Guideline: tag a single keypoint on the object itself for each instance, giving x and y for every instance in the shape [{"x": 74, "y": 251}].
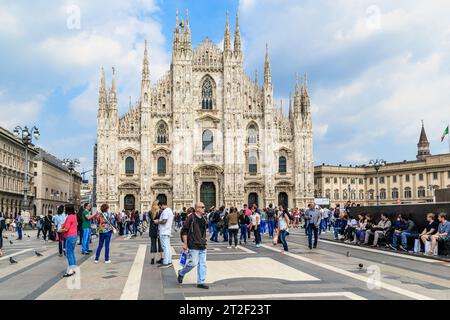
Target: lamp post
[
  {"x": 377, "y": 164},
  {"x": 71, "y": 165},
  {"x": 26, "y": 135}
]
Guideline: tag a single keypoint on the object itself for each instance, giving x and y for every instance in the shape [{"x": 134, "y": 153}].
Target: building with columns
[
  {"x": 12, "y": 173},
  {"x": 54, "y": 184},
  {"x": 204, "y": 132},
  {"x": 401, "y": 182}
]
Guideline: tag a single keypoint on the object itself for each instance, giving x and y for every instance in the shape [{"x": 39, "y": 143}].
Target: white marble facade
[{"x": 205, "y": 131}]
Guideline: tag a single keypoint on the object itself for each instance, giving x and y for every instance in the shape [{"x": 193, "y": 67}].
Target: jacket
[
  {"x": 196, "y": 237},
  {"x": 233, "y": 218}
]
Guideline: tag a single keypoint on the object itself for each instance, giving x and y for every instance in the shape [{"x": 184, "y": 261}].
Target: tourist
[
  {"x": 263, "y": 220},
  {"x": 87, "y": 217},
  {"x": 215, "y": 219},
  {"x": 312, "y": 216},
  {"x": 360, "y": 230},
  {"x": 19, "y": 225},
  {"x": 350, "y": 228},
  {"x": 283, "y": 227},
  {"x": 165, "y": 223},
  {"x": 194, "y": 239},
  {"x": 443, "y": 233},
  {"x": 255, "y": 221},
  {"x": 233, "y": 227},
  {"x": 244, "y": 221},
  {"x": 378, "y": 231},
  {"x": 80, "y": 225},
  {"x": 430, "y": 228},
  {"x": 2, "y": 227},
  {"x": 339, "y": 225},
  {"x": 271, "y": 217},
  {"x": 407, "y": 229},
  {"x": 58, "y": 221},
  {"x": 69, "y": 232},
  {"x": 155, "y": 242},
  {"x": 39, "y": 225},
  {"x": 105, "y": 230}
]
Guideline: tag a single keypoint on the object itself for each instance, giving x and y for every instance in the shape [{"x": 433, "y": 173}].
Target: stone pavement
[{"x": 330, "y": 272}]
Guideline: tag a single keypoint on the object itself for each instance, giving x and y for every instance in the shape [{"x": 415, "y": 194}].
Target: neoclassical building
[
  {"x": 205, "y": 131},
  {"x": 405, "y": 182}
]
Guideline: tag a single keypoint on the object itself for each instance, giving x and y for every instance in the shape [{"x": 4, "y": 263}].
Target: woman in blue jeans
[
  {"x": 283, "y": 227},
  {"x": 69, "y": 229},
  {"x": 243, "y": 221},
  {"x": 105, "y": 230}
]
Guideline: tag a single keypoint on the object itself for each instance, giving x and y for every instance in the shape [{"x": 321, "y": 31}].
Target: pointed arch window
[
  {"x": 162, "y": 166},
  {"x": 207, "y": 95},
  {"x": 252, "y": 134},
  {"x": 162, "y": 135},
  {"x": 282, "y": 165},
  {"x": 207, "y": 141},
  {"x": 252, "y": 165},
  {"x": 129, "y": 166}
]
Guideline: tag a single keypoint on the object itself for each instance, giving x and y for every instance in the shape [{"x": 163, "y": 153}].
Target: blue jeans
[
  {"x": 86, "y": 238},
  {"x": 405, "y": 235},
  {"x": 395, "y": 237},
  {"x": 225, "y": 234},
  {"x": 197, "y": 258},
  {"x": 71, "y": 242},
  {"x": 215, "y": 232},
  {"x": 283, "y": 234},
  {"x": 271, "y": 226},
  {"x": 263, "y": 226},
  {"x": 165, "y": 245},
  {"x": 243, "y": 233},
  {"x": 312, "y": 229},
  {"x": 336, "y": 232},
  {"x": 105, "y": 238},
  {"x": 19, "y": 233}
]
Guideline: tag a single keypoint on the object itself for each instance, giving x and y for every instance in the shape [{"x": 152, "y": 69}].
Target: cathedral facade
[{"x": 204, "y": 132}]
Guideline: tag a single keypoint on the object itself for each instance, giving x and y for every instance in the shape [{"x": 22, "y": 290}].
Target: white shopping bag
[
  {"x": 416, "y": 246},
  {"x": 428, "y": 247}
]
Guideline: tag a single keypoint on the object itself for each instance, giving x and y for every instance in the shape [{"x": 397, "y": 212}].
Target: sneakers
[
  {"x": 258, "y": 245},
  {"x": 180, "y": 278},
  {"x": 160, "y": 261},
  {"x": 96, "y": 261},
  {"x": 235, "y": 247},
  {"x": 403, "y": 248},
  {"x": 108, "y": 261},
  {"x": 392, "y": 247},
  {"x": 202, "y": 286},
  {"x": 153, "y": 261},
  {"x": 229, "y": 247},
  {"x": 165, "y": 266}
]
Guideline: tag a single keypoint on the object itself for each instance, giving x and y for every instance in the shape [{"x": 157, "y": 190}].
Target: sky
[{"x": 376, "y": 68}]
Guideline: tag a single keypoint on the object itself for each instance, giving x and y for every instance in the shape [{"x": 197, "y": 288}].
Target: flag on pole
[{"x": 444, "y": 134}]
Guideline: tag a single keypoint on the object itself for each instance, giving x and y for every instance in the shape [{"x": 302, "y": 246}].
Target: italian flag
[{"x": 444, "y": 134}]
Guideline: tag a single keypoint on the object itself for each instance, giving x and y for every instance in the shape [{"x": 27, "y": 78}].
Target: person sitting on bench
[
  {"x": 378, "y": 230},
  {"x": 442, "y": 234}
]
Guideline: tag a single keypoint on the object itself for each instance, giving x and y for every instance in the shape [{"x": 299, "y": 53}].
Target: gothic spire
[
  {"x": 305, "y": 97},
  {"x": 237, "y": 37},
  {"x": 297, "y": 98},
  {"x": 267, "y": 73},
  {"x": 226, "y": 38},
  {"x": 102, "y": 100},
  {"x": 176, "y": 34},
  {"x": 112, "y": 92},
  {"x": 188, "y": 31},
  {"x": 145, "y": 68},
  {"x": 290, "y": 106}
]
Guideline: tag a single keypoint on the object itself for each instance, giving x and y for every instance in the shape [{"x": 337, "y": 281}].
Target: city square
[{"x": 174, "y": 151}]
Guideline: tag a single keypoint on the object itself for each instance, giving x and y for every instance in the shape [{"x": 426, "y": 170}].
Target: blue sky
[{"x": 376, "y": 68}]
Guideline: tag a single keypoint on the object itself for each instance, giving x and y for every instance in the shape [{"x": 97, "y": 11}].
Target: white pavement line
[
  {"x": 15, "y": 254},
  {"x": 346, "y": 294},
  {"x": 399, "y": 255},
  {"x": 245, "y": 249},
  {"x": 383, "y": 285},
  {"x": 133, "y": 284}
]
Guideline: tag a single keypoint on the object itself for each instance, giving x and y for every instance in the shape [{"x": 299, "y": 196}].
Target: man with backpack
[
  {"x": 193, "y": 235},
  {"x": 271, "y": 220},
  {"x": 215, "y": 219}
]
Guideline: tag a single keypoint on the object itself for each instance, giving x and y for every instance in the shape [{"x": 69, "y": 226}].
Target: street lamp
[
  {"x": 26, "y": 135},
  {"x": 71, "y": 165},
  {"x": 377, "y": 164}
]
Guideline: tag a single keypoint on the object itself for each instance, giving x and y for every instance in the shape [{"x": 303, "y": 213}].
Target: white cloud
[{"x": 15, "y": 112}]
